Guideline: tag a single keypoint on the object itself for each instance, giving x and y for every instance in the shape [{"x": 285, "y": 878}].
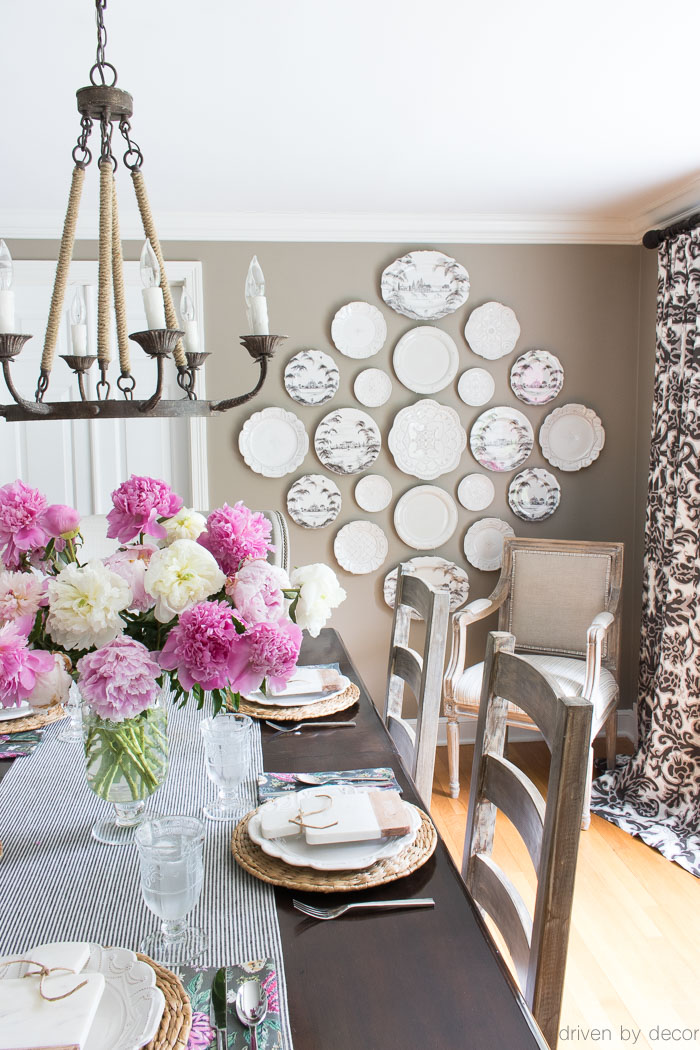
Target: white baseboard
[{"x": 626, "y": 726}]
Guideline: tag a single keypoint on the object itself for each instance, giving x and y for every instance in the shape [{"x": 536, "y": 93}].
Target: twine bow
[
  {"x": 42, "y": 972},
  {"x": 300, "y": 819}
]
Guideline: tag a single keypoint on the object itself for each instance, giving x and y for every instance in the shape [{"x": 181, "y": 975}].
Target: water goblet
[
  {"x": 227, "y": 742},
  {"x": 172, "y": 869},
  {"x": 73, "y": 732}
]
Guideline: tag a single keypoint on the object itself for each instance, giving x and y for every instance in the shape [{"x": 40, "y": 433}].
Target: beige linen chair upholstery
[
  {"x": 423, "y": 674},
  {"x": 537, "y": 943},
  {"x": 560, "y": 598}
]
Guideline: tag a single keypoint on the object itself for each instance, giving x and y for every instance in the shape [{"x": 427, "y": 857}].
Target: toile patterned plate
[
  {"x": 439, "y": 572},
  {"x": 537, "y": 377},
  {"x": 425, "y": 285},
  {"x": 347, "y": 441},
  {"x": 311, "y": 377},
  {"x": 534, "y": 494},
  {"x": 501, "y": 439},
  {"x": 314, "y": 501}
]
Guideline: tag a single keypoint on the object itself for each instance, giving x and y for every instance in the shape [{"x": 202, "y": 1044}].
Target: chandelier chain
[
  {"x": 133, "y": 158},
  {"x": 81, "y": 153},
  {"x": 98, "y": 70},
  {"x": 106, "y": 142}
]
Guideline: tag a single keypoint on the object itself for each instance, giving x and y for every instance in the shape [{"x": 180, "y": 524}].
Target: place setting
[{"x": 312, "y": 692}]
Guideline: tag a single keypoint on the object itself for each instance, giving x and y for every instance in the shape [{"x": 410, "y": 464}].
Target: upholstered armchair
[{"x": 561, "y": 600}]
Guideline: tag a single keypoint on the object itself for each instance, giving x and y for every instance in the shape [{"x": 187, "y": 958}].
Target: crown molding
[{"x": 671, "y": 207}]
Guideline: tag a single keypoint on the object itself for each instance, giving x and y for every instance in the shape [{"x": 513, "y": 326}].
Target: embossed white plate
[
  {"x": 372, "y": 387},
  {"x": 537, "y": 377},
  {"x": 425, "y": 517},
  {"x": 7, "y": 714},
  {"x": 476, "y": 387},
  {"x": 273, "y": 442},
  {"x": 314, "y": 501},
  {"x": 476, "y": 492},
  {"x": 373, "y": 493},
  {"x": 427, "y": 439},
  {"x": 442, "y": 574},
  {"x": 131, "y": 1006},
  {"x": 483, "y": 543},
  {"x": 347, "y": 441},
  {"x": 426, "y": 359},
  {"x": 534, "y": 494},
  {"x": 492, "y": 330},
  {"x": 360, "y": 547},
  {"x": 425, "y": 285},
  {"x": 311, "y": 377},
  {"x": 298, "y": 700},
  {"x": 501, "y": 439},
  {"x": 571, "y": 437},
  {"x": 358, "y": 330}
]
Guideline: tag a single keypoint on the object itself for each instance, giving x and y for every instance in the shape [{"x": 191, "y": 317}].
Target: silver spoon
[
  {"x": 251, "y": 1007},
  {"x": 309, "y": 778}
]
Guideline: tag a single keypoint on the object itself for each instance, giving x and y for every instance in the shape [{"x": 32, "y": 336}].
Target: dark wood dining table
[{"x": 423, "y": 979}]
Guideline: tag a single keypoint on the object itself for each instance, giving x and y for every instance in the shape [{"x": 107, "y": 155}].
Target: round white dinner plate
[
  {"x": 537, "y": 377},
  {"x": 425, "y": 285},
  {"x": 501, "y": 439},
  {"x": 427, "y": 439},
  {"x": 311, "y": 377},
  {"x": 492, "y": 330},
  {"x": 571, "y": 437},
  {"x": 347, "y": 441},
  {"x": 476, "y": 387},
  {"x": 131, "y": 1006},
  {"x": 360, "y": 547},
  {"x": 425, "y": 517},
  {"x": 476, "y": 492},
  {"x": 372, "y": 387},
  {"x": 426, "y": 359},
  {"x": 534, "y": 494},
  {"x": 277, "y": 700},
  {"x": 358, "y": 330},
  {"x": 483, "y": 543},
  {"x": 442, "y": 574},
  {"x": 273, "y": 442},
  {"x": 338, "y": 856},
  {"x": 373, "y": 493},
  {"x": 7, "y": 714},
  {"x": 314, "y": 501}
]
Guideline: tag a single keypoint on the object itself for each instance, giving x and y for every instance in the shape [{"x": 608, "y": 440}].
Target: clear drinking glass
[
  {"x": 172, "y": 869},
  {"x": 227, "y": 742},
  {"x": 73, "y": 732}
]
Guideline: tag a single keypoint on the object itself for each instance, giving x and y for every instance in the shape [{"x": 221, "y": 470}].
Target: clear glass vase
[{"x": 125, "y": 762}]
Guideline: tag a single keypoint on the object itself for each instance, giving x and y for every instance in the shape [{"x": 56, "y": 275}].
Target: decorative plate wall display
[
  {"x": 425, "y": 285},
  {"x": 425, "y": 517},
  {"x": 483, "y": 543},
  {"x": 372, "y": 387},
  {"x": 273, "y": 442},
  {"x": 427, "y": 439},
  {"x": 347, "y": 441},
  {"x": 314, "y": 501},
  {"x": 492, "y": 330},
  {"x": 501, "y": 439},
  {"x": 571, "y": 437},
  {"x": 440, "y": 573},
  {"x": 360, "y": 547},
  {"x": 358, "y": 330},
  {"x": 426, "y": 359},
  {"x": 537, "y": 377},
  {"x": 476, "y": 492},
  {"x": 373, "y": 493},
  {"x": 476, "y": 387},
  {"x": 311, "y": 377},
  {"x": 534, "y": 494}
]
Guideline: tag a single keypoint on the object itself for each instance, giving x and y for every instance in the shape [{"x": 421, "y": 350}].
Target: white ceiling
[{"x": 499, "y": 120}]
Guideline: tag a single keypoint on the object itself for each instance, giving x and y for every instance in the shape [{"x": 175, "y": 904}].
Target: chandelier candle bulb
[
  {"x": 256, "y": 303},
  {"x": 189, "y": 323},
  {"x": 78, "y": 328},
  {"x": 152, "y": 292},
  {"x": 7, "y": 296}
]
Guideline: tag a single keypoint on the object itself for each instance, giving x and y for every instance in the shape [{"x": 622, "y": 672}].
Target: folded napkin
[
  {"x": 309, "y": 683},
  {"x": 19, "y": 745},
  {"x": 272, "y": 785},
  {"x": 197, "y": 982}
]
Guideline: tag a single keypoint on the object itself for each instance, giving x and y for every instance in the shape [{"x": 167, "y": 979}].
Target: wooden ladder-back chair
[
  {"x": 561, "y": 600},
  {"x": 423, "y": 674},
  {"x": 537, "y": 944}
]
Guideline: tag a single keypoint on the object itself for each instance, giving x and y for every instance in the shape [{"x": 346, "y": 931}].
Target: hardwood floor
[{"x": 633, "y": 972}]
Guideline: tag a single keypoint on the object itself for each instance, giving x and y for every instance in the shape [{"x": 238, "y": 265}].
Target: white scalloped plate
[
  {"x": 273, "y": 442},
  {"x": 425, "y": 517},
  {"x": 476, "y": 387},
  {"x": 426, "y": 359},
  {"x": 360, "y": 547},
  {"x": 571, "y": 437},
  {"x": 358, "y": 330},
  {"x": 311, "y": 377},
  {"x": 476, "y": 492},
  {"x": 314, "y": 501},
  {"x": 492, "y": 330},
  {"x": 373, "y": 493},
  {"x": 483, "y": 543},
  {"x": 427, "y": 439},
  {"x": 425, "y": 285},
  {"x": 372, "y": 387}
]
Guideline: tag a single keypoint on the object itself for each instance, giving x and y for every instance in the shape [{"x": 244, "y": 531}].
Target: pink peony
[
  {"x": 138, "y": 503},
  {"x": 118, "y": 680},
  {"x": 200, "y": 647},
  {"x": 21, "y": 595},
  {"x": 21, "y": 509},
  {"x": 61, "y": 521},
  {"x": 235, "y": 534},
  {"x": 256, "y": 591},
  {"x": 266, "y": 650},
  {"x": 19, "y": 665},
  {"x": 131, "y": 564}
]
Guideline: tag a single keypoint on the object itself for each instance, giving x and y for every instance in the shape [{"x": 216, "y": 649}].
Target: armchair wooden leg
[
  {"x": 586, "y": 815},
  {"x": 453, "y": 754},
  {"x": 611, "y": 740}
]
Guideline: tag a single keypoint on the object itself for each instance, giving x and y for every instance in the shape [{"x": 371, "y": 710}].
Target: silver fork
[
  {"x": 334, "y": 913},
  {"x": 307, "y": 725}
]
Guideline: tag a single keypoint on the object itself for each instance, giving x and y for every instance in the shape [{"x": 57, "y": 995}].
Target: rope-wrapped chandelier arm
[
  {"x": 104, "y": 266},
  {"x": 118, "y": 286},
  {"x": 150, "y": 231},
  {"x": 61, "y": 280}
]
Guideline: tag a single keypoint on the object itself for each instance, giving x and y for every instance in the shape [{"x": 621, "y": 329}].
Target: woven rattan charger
[
  {"x": 274, "y": 870},
  {"x": 176, "y": 1022},
  {"x": 36, "y": 720},
  {"x": 321, "y": 708}
]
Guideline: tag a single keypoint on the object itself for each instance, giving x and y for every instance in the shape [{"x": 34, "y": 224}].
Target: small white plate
[
  {"x": 299, "y": 699},
  {"x": 273, "y": 442},
  {"x": 360, "y": 547},
  {"x": 373, "y": 493},
  {"x": 476, "y": 387},
  {"x": 339, "y": 856},
  {"x": 492, "y": 330},
  {"x": 358, "y": 330},
  {"x": 483, "y": 543},
  {"x": 476, "y": 492},
  {"x": 372, "y": 387},
  {"x": 314, "y": 501},
  {"x": 425, "y": 517},
  {"x": 8, "y": 714},
  {"x": 426, "y": 359}
]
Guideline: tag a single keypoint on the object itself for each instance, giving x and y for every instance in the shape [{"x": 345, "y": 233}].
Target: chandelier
[{"x": 104, "y": 103}]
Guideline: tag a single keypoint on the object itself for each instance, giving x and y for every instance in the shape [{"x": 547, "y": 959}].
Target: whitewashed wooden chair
[
  {"x": 423, "y": 674},
  {"x": 561, "y": 600},
  {"x": 537, "y": 943}
]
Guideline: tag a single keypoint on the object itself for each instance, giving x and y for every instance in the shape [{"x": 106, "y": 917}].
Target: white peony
[
  {"x": 84, "y": 606},
  {"x": 180, "y": 576},
  {"x": 187, "y": 524},
  {"x": 52, "y": 687},
  {"x": 320, "y": 592}
]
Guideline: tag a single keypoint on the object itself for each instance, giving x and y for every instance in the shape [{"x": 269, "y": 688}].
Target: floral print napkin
[
  {"x": 273, "y": 785},
  {"x": 19, "y": 745},
  {"x": 197, "y": 982}
]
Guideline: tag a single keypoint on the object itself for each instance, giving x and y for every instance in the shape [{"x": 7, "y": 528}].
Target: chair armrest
[
  {"x": 477, "y": 610},
  {"x": 594, "y": 650}
]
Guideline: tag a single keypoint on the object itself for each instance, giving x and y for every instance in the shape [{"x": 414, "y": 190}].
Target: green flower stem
[{"x": 134, "y": 751}]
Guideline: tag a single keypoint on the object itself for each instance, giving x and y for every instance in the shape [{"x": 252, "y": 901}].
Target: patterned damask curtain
[{"x": 656, "y": 795}]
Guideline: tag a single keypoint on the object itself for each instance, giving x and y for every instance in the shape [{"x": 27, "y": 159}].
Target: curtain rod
[{"x": 653, "y": 238}]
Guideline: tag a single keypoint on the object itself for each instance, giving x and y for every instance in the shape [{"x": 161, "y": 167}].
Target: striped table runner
[{"x": 58, "y": 883}]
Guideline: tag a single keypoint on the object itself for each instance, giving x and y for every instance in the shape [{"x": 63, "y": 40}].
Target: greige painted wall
[{"x": 580, "y": 302}]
